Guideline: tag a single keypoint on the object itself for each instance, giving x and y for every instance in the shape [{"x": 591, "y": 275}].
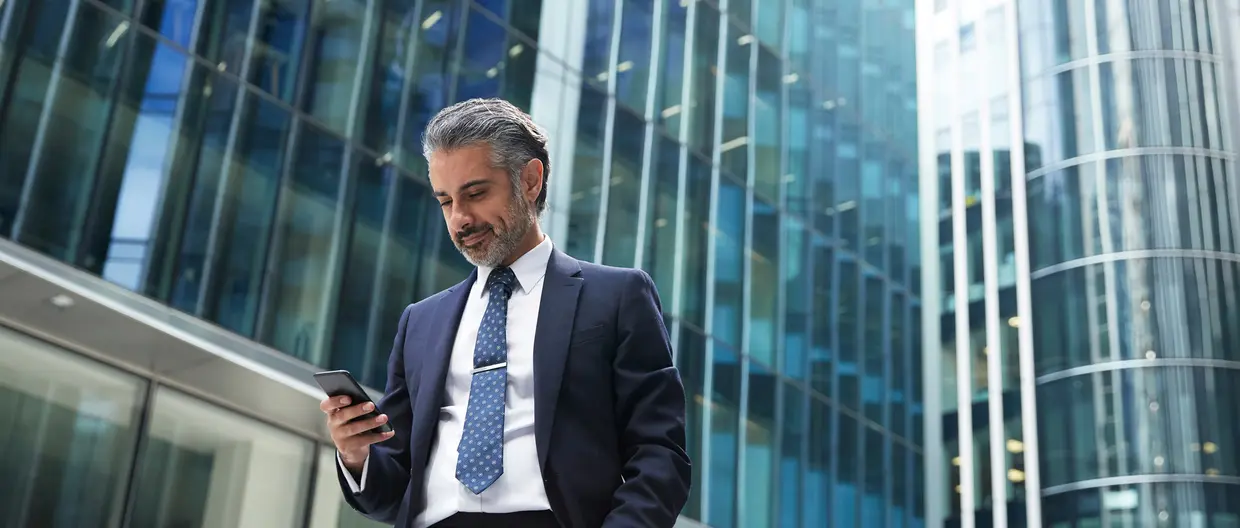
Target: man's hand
[{"x": 352, "y": 439}]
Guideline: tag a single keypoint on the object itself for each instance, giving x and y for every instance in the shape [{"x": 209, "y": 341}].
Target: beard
[{"x": 505, "y": 238}]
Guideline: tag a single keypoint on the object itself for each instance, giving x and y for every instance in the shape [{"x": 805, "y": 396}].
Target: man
[{"x": 538, "y": 392}]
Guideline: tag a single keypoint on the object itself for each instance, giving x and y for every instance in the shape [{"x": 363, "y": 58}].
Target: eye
[
  {"x": 445, "y": 203},
  {"x": 477, "y": 194}
]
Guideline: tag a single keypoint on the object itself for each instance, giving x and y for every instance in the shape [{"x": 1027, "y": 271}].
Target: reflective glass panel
[
  {"x": 721, "y": 469},
  {"x": 337, "y": 32},
  {"x": 729, "y": 231},
  {"x": 584, "y": 208},
  {"x": 633, "y": 65},
  {"x": 204, "y": 466},
  {"x": 70, "y": 430},
  {"x": 624, "y": 189}
]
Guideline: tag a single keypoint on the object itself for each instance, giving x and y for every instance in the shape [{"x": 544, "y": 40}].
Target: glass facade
[
  {"x": 89, "y": 445},
  {"x": 1083, "y": 173},
  {"x": 257, "y": 163}
]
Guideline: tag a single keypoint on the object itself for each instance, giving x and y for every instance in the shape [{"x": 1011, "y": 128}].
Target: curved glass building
[
  {"x": 1079, "y": 184},
  {"x": 203, "y": 202}
]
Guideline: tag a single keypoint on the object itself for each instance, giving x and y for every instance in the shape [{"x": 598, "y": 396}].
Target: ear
[{"x": 532, "y": 180}]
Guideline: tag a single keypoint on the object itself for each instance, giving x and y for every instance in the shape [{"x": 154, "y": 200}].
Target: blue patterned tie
[{"x": 480, "y": 455}]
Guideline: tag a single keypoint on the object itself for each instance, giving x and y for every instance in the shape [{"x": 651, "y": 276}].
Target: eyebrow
[{"x": 467, "y": 185}]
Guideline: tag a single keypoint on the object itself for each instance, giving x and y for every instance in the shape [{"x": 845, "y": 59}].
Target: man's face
[{"x": 486, "y": 217}]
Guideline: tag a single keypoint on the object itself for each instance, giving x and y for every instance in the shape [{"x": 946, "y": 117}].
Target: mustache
[{"x": 471, "y": 231}]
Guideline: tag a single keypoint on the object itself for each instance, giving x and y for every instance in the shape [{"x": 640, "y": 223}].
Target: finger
[
  {"x": 343, "y": 415},
  {"x": 361, "y": 426},
  {"x": 363, "y": 440},
  {"x": 330, "y": 405}
]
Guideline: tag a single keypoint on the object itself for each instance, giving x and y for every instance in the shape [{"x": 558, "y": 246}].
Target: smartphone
[{"x": 341, "y": 383}]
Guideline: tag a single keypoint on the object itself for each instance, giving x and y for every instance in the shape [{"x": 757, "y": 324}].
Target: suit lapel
[
  {"x": 440, "y": 337},
  {"x": 555, "y": 327}
]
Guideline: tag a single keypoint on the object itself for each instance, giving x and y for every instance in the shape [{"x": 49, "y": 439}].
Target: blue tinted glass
[
  {"x": 849, "y": 328},
  {"x": 818, "y": 471},
  {"x": 281, "y": 34},
  {"x": 874, "y": 507},
  {"x": 304, "y": 242},
  {"x": 69, "y": 136},
  {"x": 791, "y": 461},
  {"x": 600, "y": 21},
  {"x": 764, "y": 282},
  {"x": 353, "y": 345},
  {"x": 671, "y": 67},
  {"x": 729, "y": 230},
  {"x": 584, "y": 209},
  {"x": 633, "y": 66},
  {"x": 701, "y": 103},
  {"x": 797, "y": 272},
  {"x": 250, "y": 205},
  {"x": 382, "y": 106},
  {"x": 697, "y": 232},
  {"x": 735, "y": 142},
  {"x": 337, "y": 38},
  {"x": 768, "y": 126},
  {"x": 691, "y": 363},
  {"x": 760, "y": 448},
  {"x": 432, "y": 67},
  {"x": 482, "y": 58},
  {"x": 823, "y": 316},
  {"x": 724, "y": 417},
  {"x": 173, "y": 18},
  {"x": 844, "y": 496},
  {"x": 223, "y": 32},
  {"x": 874, "y": 386},
  {"x": 624, "y": 192},
  {"x": 123, "y": 222},
  {"x": 660, "y": 243},
  {"x": 207, "y": 122}
]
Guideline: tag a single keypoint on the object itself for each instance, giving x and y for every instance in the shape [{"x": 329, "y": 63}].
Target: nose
[{"x": 461, "y": 217}]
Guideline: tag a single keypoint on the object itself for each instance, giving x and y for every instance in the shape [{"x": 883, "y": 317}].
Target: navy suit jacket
[{"x": 609, "y": 405}]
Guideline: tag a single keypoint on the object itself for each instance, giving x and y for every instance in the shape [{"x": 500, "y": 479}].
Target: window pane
[
  {"x": 844, "y": 499},
  {"x": 482, "y": 58},
  {"x": 825, "y": 295},
  {"x": 70, "y": 133},
  {"x": 303, "y": 265},
  {"x": 519, "y": 70},
  {"x": 672, "y": 67},
  {"x": 697, "y": 230},
  {"x": 116, "y": 240},
  {"x": 69, "y": 435},
  {"x": 729, "y": 231},
  {"x": 27, "y": 71},
  {"x": 874, "y": 389},
  {"x": 849, "y": 329},
  {"x": 330, "y": 510},
  {"x": 724, "y": 415},
  {"x": 432, "y": 69},
  {"x": 357, "y": 305},
  {"x": 791, "y": 459},
  {"x": 633, "y": 68},
  {"x": 390, "y": 74},
  {"x": 759, "y": 486},
  {"x": 691, "y": 362},
  {"x": 277, "y": 49},
  {"x": 190, "y": 205},
  {"x": 624, "y": 194},
  {"x": 817, "y": 503},
  {"x": 701, "y": 104},
  {"x": 768, "y": 124},
  {"x": 735, "y": 141},
  {"x": 794, "y": 258},
  {"x": 600, "y": 19},
  {"x": 661, "y": 251},
  {"x": 337, "y": 34},
  {"x": 223, "y": 32},
  {"x": 587, "y": 176},
  {"x": 205, "y": 466},
  {"x": 249, "y": 208},
  {"x": 764, "y": 282}
]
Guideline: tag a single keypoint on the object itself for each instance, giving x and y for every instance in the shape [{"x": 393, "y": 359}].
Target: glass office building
[
  {"x": 202, "y": 202},
  {"x": 1079, "y": 187}
]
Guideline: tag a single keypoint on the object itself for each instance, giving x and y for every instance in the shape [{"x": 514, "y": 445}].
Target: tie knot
[{"x": 501, "y": 279}]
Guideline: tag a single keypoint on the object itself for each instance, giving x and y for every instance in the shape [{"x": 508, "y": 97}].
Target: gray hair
[{"x": 513, "y": 136}]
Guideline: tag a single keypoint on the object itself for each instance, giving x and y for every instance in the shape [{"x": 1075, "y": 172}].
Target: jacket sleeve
[
  {"x": 387, "y": 471},
  {"x": 650, "y": 413}
]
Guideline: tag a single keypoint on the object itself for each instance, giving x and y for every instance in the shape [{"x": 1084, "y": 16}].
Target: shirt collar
[{"x": 529, "y": 268}]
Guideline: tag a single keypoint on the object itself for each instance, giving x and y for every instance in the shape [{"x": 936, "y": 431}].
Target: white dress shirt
[{"x": 520, "y": 487}]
